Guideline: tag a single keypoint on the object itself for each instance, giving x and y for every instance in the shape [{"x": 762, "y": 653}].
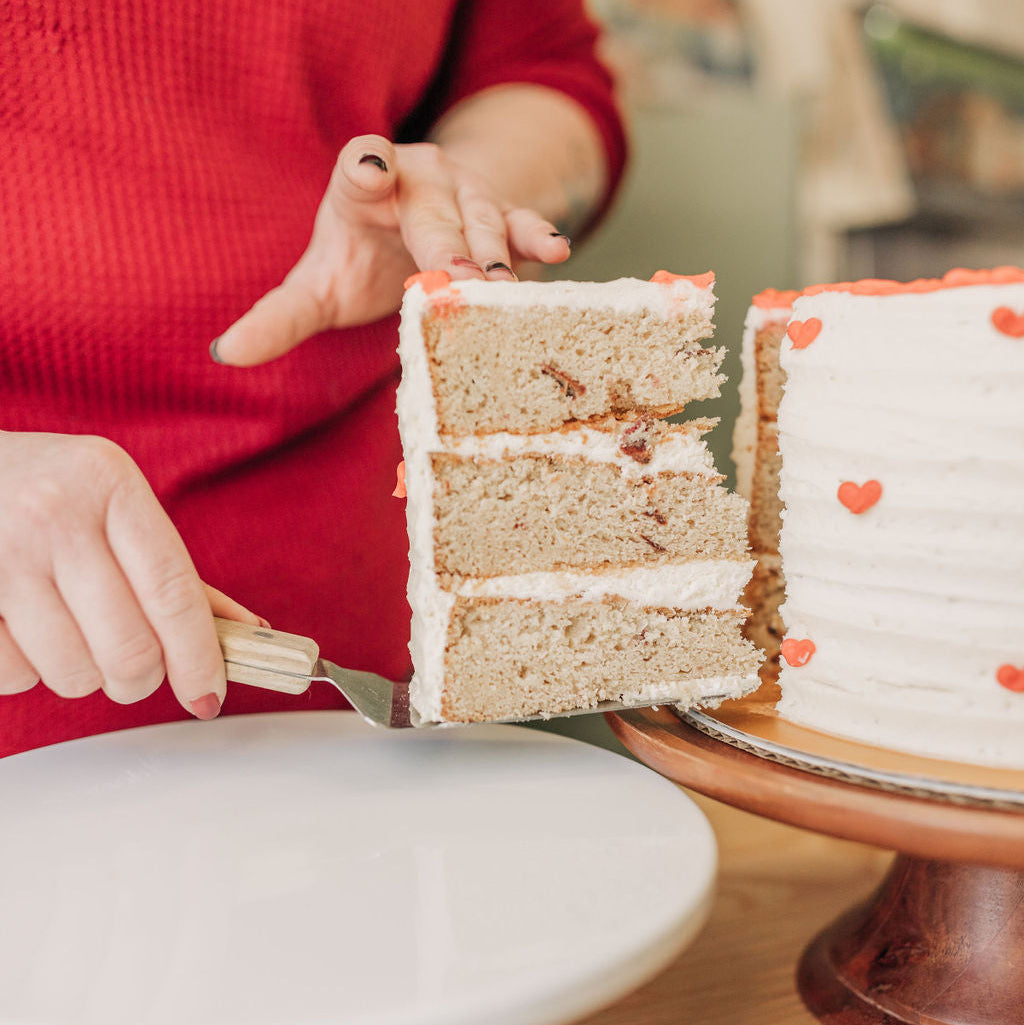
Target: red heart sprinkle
[
  {"x": 803, "y": 332},
  {"x": 797, "y": 653},
  {"x": 1008, "y": 322},
  {"x": 1011, "y": 677},
  {"x": 858, "y": 498}
]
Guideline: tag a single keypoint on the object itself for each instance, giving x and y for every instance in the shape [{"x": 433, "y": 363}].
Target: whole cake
[
  {"x": 567, "y": 545},
  {"x": 901, "y": 437}
]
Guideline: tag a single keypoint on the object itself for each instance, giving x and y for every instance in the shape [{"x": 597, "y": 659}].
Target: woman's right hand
[{"x": 97, "y": 590}]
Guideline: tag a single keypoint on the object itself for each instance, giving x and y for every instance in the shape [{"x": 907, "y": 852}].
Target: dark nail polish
[
  {"x": 558, "y": 234},
  {"x": 498, "y": 265},
  {"x": 205, "y": 707},
  {"x": 372, "y": 158},
  {"x": 465, "y": 261},
  {"x": 213, "y": 352}
]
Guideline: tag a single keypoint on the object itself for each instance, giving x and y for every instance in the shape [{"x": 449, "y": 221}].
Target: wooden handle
[{"x": 270, "y": 659}]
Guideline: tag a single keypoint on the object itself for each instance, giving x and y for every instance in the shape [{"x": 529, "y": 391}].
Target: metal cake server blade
[{"x": 289, "y": 663}]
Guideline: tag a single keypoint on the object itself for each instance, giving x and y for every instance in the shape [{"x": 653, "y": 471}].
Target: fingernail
[
  {"x": 465, "y": 261},
  {"x": 213, "y": 352},
  {"x": 498, "y": 265},
  {"x": 263, "y": 623},
  {"x": 558, "y": 234},
  {"x": 205, "y": 707},
  {"x": 372, "y": 158}
]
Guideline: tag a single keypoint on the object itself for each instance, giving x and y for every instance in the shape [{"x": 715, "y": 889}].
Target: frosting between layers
[
  {"x": 693, "y": 586},
  {"x": 680, "y": 452},
  {"x": 915, "y": 604}
]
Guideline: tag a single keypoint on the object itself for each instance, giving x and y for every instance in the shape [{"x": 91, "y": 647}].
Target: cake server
[{"x": 289, "y": 663}]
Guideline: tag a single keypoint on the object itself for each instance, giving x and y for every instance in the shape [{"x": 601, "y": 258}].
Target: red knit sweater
[{"x": 162, "y": 166}]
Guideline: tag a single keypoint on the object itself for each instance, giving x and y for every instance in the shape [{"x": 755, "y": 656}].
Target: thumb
[
  {"x": 284, "y": 317},
  {"x": 305, "y": 303}
]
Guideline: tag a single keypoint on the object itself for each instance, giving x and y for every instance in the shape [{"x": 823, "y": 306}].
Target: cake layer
[
  {"x": 518, "y": 659},
  {"x": 761, "y": 383},
  {"x": 901, "y": 433},
  {"x": 541, "y": 513},
  {"x": 763, "y": 596},
  {"x": 756, "y": 453},
  {"x": 687, "y": 587},
  {"x": 770, "y": 378},
  {"x": 765, "y": 517},
  {"x": 530, "y": 357}
]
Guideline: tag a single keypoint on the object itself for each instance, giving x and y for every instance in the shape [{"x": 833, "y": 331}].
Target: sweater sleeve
[{"x": 542, "y": 42}]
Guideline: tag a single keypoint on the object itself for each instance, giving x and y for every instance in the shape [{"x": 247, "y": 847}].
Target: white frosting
[
  {"x": 701, "y": 584},
  {"x": 680, "y": 452},
  {"x": 915, "y": 604},
  {"x": 744, "y": 438},
  {"x": 697, "y": 585},
  {"x": 624, "y": 296},
  {"x": 705, "y": 691}
]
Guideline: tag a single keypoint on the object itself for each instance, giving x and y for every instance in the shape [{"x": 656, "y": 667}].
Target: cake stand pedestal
[{"x": 942, "y": 940}]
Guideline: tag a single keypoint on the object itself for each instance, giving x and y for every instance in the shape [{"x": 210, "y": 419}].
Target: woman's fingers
[
  {"x": 485, "y": 233},
  {"x": 17, "y": 674},
  {"x": 429, "y": 216},
  {"x": 358, "y": 197},
  {"x": 123, "y": 645},
  {"x": 534, "y": 238},
  {"x": 51, "y": 641},
  {"x": 171, "y": 596},
  {"x": 97, "y": 589},
  {"x": 387, "y": 211},
  {"x": 227, "y": 608}
]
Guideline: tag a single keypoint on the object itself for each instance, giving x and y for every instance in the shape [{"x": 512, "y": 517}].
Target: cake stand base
[
  {"x": 942, "y": 940},
  {"x": 940, "y": 943}
]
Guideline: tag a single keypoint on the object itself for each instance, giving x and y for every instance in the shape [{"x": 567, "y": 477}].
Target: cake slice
[
  {"x": 756, "y": 455},
  {"x": 567, "y": 545}
]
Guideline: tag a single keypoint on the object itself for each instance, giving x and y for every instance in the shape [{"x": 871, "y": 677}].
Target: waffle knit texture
[{"x": 163, "y": 164}]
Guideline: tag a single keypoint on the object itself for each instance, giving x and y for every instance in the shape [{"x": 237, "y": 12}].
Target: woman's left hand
[{"x": 389, "y": 211}]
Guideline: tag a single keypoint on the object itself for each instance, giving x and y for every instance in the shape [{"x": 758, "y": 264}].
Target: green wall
[{"x": 707, "y": 189}]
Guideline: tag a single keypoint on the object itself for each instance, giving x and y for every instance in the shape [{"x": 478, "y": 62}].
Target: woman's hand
[
  {"x": 388, "y": 211},
  {"x": 97, "y": 590}
]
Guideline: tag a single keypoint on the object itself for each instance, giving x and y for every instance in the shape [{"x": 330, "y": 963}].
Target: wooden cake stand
[{"x": 942, "y": 940}]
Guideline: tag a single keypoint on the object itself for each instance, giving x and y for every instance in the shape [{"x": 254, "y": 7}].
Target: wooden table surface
[{"x": 777, "y": 887}]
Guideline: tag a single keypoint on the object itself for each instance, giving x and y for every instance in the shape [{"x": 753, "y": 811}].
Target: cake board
[
  {"x": 306, "y": 868},
  {"x": 941, "y": 942}
]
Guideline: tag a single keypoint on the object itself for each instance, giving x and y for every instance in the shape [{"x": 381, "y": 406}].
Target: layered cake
[
  {"x": 756, "y": 455},
  {"x": 901, "y": 436},
  {"x": 568, "y": 546}
]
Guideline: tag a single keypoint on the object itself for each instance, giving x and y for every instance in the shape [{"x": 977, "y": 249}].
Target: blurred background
[{"x": 786, "y": 142}]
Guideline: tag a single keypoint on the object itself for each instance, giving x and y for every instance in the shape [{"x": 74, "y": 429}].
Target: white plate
[{"x": 306, "y": 868}]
